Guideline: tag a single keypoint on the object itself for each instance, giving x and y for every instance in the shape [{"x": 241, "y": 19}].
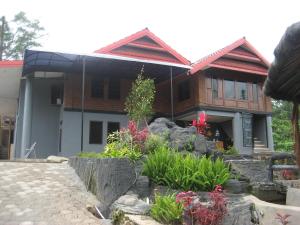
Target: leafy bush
[
  {"x": 166, "y": 210},
  {"x": 167, "y": 167},
  {"x": 197, "y": 213},
  {"x": 154, "y": 142},
  {"x": 111, "y": 151},
  {"x": 231, "y": 151}
]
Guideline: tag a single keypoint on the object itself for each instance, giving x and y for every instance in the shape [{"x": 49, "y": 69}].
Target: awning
[{"x": 102, "y": 64}]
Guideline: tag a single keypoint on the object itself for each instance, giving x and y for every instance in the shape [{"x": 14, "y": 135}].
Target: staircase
[{"x": 260, "y": 150}]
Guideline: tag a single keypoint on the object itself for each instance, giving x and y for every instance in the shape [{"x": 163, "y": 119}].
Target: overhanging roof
[
  {"x": 102, "y": 64},
  {"x": 283, "y": 80}
]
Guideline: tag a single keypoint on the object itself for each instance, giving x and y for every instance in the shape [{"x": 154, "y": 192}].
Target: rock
[
  {"x": 233, "y": 186},
  {"x": 141, "y": 187},
  {"x": 179, "y": 137},
  {"x": 142, "y": 220},
  {"x": 56, "y": 159},
  {"x": 269, "y": 192},
  {"x": 113, "y": 177},
  {"x": 131, "y": 204},
  {"x": 105, "y": 222},
  {"x": 293, "y": 197}
]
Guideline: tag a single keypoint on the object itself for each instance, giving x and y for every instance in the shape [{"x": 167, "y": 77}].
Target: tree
[
  {"x": 17, "y": 35},
  {"x": 139, "y": 103},
  {"x": 282, "y": 128}
]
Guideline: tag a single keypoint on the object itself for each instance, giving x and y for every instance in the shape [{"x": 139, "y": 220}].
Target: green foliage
[
  {"x": 154, "y": 142},
  {"x": 231, "y": 151},
  {"x": 189, "y": 144},
  {"x": 167, "y": 167},
  {"x": 19, "y": 34},
  {"x": 112, "y": 151},
  {"x": 117, "y": 217},
  {"x": 139, "y": 103},
  {"x": 166, "y": 210},
  {"x": 282, "y": 126}
]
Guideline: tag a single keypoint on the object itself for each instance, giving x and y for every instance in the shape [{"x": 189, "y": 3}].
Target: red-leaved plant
[
  {"x": 134, "y": 136},
  {"x": 198, "y": 213},
  {"x": 288, "y": 174}
]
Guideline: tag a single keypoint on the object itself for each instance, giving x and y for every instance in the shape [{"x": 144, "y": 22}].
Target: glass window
[
  {"x": 96, "y": 132},
  {"x": 57, "y": 94},
  {"x": 229, "y": 89},
  {"x": 184, "y": 90},
  {"x": 242, "y": 90},
  {"x": 214, "y": 88},
  {"x": 97, "y": 88},
  {"x": 114, "y": 89},
  {"x": 112, "y": 127},
  {"x": 255, "y": 93},
  {"x": 247, "y": 131}
]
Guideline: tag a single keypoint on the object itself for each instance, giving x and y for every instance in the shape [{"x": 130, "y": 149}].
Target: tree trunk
[{"x": 295, "y": 123}]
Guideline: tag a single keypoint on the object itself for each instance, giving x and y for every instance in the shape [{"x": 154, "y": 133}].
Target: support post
[
  {"x": 172, "y": 99},
  {"x": 82, "y": 100},
  {"x": 295, "y": 123},
  {"x": 26, "y": 128},
  {"x": 9, "y": 138}
]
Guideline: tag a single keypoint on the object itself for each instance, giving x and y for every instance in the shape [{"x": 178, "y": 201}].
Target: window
[
  {"x": 112, "y": 127},
  {"x": 242, "y": 90},
  {"x": 114, "y": 89},
  {"x": 97, "y": 88},
  {"x": 57, "y": 93},
  {"x": 229, "y": 89},
  {"x": 184, "y": 90},
  {"x": 96, "y": 132},
  {"x": 255, "y": 93},
  {"x": 214, "y": 88}
]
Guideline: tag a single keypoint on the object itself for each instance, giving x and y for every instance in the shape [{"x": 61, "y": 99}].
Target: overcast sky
[{"x": 193, "y": 28}]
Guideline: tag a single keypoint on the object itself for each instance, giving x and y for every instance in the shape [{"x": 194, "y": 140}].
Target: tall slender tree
[{"x": 17, "y": 35}]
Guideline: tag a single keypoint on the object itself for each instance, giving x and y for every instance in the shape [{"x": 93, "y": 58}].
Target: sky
[{"x": 193, "y": 28}]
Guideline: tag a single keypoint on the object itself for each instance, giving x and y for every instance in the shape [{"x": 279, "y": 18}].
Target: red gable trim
[
  {"x": 11, "y": 63},
  {"x": 142, "y": 33},
  {"x": 206, "y": 61}
]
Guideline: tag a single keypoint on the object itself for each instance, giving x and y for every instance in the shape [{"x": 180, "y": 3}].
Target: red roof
[
  {"x": 11, "y": 63},
  {"x": 144, "y": 44},
  {"x": 240, "y": 56}
]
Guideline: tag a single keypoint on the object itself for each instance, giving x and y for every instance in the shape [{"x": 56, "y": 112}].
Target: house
[
  {"x": 10, "y": 74},
  {"x": 71, "y": 102}
]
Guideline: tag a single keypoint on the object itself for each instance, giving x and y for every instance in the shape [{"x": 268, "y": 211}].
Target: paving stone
[{"x": 43, "y": 194}]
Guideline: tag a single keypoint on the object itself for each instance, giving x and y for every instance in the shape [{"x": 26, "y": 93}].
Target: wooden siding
[{"x": 206, "y": 96}]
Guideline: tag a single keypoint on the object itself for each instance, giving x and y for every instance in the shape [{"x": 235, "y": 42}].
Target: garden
[{"x": 135, "y": 158}]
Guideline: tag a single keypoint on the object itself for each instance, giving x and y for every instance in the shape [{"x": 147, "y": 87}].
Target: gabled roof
[
  {"x": 11, "y": 63},
  {"x": 144, "y": 45},
  {"x": 239, "y": 56}
]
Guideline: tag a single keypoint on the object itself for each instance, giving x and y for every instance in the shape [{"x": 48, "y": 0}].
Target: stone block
[{"x": 293, "y": 197}]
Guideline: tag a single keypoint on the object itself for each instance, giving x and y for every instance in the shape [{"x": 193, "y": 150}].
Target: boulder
[
  {"x": 293, "y": 197},
  {"x": 179, "y": 137},
  {"x": 131, "y": 204},
  {"x": 56, "y": 159},
  {"x": 114, "y": 177},
  {"x": 141, "y": 187}
]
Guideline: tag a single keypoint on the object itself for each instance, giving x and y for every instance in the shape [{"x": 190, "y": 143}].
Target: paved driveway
[{"x": 43, "y": 194}]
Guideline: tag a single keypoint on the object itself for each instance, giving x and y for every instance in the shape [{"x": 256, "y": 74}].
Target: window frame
[
  {"x": 215, "y": 92},
  {"x": 101, "y": 86},
  {"x": 110, "y": 95},
  {"x": 233, "y": 89},
  {"x": 181, "y": 89},
  {"x": 112, "y": 122},
  {"x": 92, "y": 142},
  {"x": 239, "y": 93}
]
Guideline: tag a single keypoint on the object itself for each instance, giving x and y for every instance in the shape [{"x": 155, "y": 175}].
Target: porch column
[
  {"x": 237, "y": 132},
  {"x": 270, "y": 133},
  {"x": 82, "y": 101},
  {"x": 26, "y": 128}
]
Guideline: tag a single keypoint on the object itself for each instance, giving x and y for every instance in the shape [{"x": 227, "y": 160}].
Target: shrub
[
  {"x": 154, "y": 142},
  {"x": 197, "y": 213},
  {"x": 166, "y": 210},
  {"x": 167, "y": 167},
  {"x": 111, "y": 151},
  {"x": 231, "y": 151}
]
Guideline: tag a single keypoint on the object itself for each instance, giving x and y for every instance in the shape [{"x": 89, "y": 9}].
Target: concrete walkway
[{"x": 43, "y": 194}]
